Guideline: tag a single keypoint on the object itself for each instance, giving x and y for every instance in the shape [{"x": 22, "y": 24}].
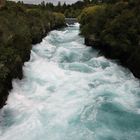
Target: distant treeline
[
  {"x": 20, "y": 27},
  {"x": 69, "y": 10},
  {"x": 114, "y": 28},
  {"x": 73, "y": 10}
]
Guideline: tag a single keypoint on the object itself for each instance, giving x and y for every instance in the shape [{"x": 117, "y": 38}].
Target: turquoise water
[{"x": 71, "y": 92}]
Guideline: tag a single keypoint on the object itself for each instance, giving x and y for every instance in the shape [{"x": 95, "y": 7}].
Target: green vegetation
[
  {"x": 114, "y": 28},
  {"x": 70, "y": 11},
  {"x": 20, "y": 27},
  {"x": 75, "y": 9}
]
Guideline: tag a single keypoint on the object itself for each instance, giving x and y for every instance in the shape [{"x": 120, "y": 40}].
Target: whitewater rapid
[{"x": 71, "y": 92}]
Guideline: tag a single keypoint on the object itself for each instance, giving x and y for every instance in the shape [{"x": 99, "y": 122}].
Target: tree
[
  {"x": 86, "y": 1},
  {"x": 43, "y": 4}
]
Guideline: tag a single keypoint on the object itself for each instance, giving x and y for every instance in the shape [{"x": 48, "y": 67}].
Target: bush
[
  {"x": 92, "y": 20},
  {"x": 20, "y": 26},
  {"x": 117, "y": 30}
]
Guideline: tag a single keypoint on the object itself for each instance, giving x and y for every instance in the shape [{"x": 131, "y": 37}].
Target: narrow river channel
[{"x": 71, "y": 92}]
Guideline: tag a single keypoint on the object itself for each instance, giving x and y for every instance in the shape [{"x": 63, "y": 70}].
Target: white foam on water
[{"x": 69, "y": 92}]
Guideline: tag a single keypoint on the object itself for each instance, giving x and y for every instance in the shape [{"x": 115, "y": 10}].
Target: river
[{"x": 71, "y": 92}]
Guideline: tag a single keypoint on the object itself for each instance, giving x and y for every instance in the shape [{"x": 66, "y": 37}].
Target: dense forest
[
  {"x": 114, "y": 28},
  {"x": 20, "y": 27},
  {"x": 75, "y": 9},
  {"x": 69, "y": 10}
]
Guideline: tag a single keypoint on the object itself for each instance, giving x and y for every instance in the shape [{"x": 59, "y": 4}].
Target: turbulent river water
[{"x": 71, "y": 92}]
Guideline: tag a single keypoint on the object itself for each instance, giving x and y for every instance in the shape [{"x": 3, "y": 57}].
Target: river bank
[
  {"x": 132, "y": 64},
  {"x": 20, "y": 27},
  {"x": 114, "y": 29}
]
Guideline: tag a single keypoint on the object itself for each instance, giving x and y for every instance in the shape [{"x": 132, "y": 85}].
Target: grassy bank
[
  {"x": 20, "y": 27},
  {"x": 114, "y": 29}
]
